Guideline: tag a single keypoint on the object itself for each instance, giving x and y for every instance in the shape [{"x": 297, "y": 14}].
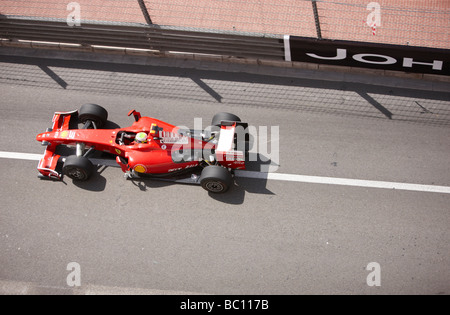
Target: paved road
[{"x": 264, "y": 236}]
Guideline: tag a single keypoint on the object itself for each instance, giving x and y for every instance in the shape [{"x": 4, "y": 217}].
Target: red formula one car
[{"x": 148, "y": 148}]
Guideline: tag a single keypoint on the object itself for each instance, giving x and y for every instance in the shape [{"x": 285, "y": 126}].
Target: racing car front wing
[{"x": 47, "y": 166}]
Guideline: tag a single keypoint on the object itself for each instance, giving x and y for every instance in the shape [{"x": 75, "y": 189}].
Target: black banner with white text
[{"x": 368, "y": 55}]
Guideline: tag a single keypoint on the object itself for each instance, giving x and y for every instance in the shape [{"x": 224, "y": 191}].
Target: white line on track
[
  {"x": 20, "y": 156},
  {"x": 293, "y": 178},
  {"x": 345, "y": 182},
  {"x": 29, "y": 288}
]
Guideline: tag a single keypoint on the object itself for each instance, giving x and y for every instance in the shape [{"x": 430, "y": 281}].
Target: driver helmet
[{"x": 141, "y": 137}]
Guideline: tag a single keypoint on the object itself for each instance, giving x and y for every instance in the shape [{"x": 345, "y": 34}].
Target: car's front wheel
[{"x": 78, "y": 168}]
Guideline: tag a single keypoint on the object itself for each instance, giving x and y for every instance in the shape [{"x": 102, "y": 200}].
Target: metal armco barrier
[
  {"x": 143, "y": 37},
  {"x": 291, "y": 48}
]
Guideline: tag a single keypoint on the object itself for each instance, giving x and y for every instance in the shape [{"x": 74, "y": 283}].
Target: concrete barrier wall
[{"x": 280, "y": 52}]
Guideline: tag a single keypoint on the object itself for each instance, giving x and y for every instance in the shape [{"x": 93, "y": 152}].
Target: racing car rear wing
[
  {"x": 230, "y": 151},
  {"x": 48, "y": 164}
]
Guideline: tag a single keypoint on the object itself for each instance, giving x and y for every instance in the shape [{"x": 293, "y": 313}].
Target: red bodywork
[{"x": 155, "y": 157}]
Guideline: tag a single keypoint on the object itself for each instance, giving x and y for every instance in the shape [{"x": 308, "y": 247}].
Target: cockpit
[{"x": 130, "y": 138}]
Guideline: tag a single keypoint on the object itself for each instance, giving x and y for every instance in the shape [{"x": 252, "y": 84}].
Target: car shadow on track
[
  {"x": 234, "y": 196},
  {"x": 237, "y": 193},
  {"x": 97, "y": 183},
  {"x": 243, "y": 186}
]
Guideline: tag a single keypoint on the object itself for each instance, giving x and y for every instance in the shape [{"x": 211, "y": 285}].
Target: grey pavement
[{"x": 263, "y": 237}]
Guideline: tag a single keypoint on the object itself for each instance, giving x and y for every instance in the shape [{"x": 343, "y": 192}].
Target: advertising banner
[{"x": 367, "y": 55}]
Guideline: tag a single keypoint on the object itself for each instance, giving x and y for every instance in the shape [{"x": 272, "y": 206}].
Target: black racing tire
[
  {"x": 93, "y": 112},
  {"x": 219, "y": 117},
  {"x": 78, "y": 168},
  {"x": 216, "y": 179}
]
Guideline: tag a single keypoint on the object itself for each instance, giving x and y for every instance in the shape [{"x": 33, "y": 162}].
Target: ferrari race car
[{"x": 148, "y": 148}]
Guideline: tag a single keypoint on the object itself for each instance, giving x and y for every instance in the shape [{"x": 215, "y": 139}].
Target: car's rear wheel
[
  {"x": 78, "y": 168},
  {"x": 219, "y": 117},
  {"x": 94, "y": 113},
  {"x": 216, "y": 179}
]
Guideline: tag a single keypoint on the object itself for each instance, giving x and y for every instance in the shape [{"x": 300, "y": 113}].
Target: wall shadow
[{"x": 234, "y": 89}]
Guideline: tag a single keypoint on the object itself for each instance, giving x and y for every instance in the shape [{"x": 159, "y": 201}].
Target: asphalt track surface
[{"x": 266, "y": 236}]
